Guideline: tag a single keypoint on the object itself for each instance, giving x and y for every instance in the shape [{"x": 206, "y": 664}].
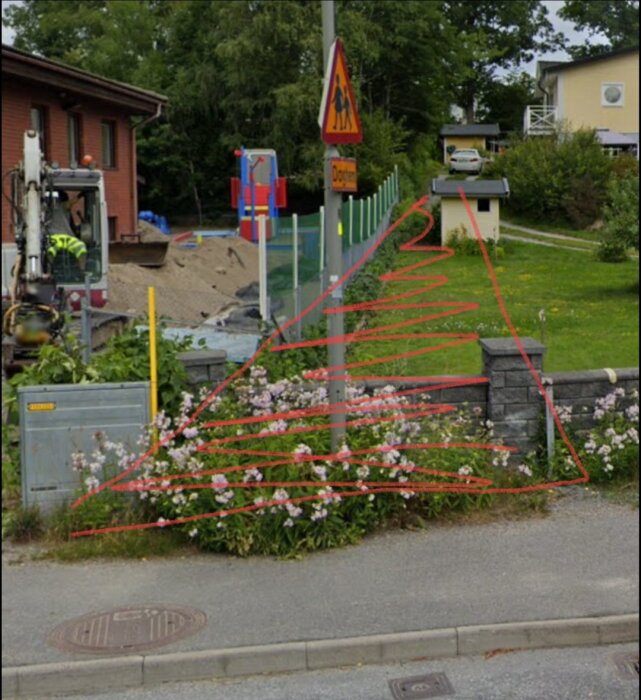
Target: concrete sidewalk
[{"x": 335, "y": 607}]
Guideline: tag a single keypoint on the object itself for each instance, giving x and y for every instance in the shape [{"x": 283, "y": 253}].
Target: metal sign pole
[{"x": 333, "y": 201}]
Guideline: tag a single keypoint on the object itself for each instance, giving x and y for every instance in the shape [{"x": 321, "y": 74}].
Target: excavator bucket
[{"x": 144, "y": 253}]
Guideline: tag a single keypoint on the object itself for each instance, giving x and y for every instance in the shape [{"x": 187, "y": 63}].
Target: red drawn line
[{"x": 473, "y": 485}]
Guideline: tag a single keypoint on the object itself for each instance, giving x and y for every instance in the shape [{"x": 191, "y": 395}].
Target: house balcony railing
[{"x": 539, "y": 120}]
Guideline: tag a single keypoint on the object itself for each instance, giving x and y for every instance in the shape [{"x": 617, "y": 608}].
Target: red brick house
[{"x": 77, "y": 113}]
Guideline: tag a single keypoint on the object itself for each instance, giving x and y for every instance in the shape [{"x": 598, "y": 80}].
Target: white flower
[
  {"x": 92, "y": 483},
  {"x": 465, "y": 470},
  {"x": 524, "y": 469},
  {"x": 362, "y": 472},
  {"x": 288, "y": 523},
  {"x": 190, "y": 432},
  {"x": 193, "y": 532},
  {"x": 220, "y": 481},
  {"x": 280, "y": 495},
  {"x": 320, "y": 472},
  {"x": 301, "y": 450}
]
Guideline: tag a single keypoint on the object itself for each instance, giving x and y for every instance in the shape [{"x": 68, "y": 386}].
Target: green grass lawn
[{"x": 591, "y": 311}]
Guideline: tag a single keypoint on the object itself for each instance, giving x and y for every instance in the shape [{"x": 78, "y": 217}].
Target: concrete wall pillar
[{"x": 514, "y": 402}]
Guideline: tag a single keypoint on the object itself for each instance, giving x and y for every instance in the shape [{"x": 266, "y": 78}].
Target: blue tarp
[{"x": 239, "y": 346}]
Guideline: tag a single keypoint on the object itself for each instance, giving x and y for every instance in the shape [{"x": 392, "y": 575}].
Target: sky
[{"x": 552, "y": 5}]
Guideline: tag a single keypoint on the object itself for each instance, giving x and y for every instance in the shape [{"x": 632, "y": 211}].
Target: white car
[{"x": 466, "y": 160}]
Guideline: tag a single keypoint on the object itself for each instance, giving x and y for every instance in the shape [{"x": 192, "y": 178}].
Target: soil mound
[{"x": 192, "y": 285}]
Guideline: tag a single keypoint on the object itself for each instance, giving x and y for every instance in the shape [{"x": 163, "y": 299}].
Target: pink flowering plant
[
  {"x": 278, "y": 460},
  {"x": 610, "y": 450}
]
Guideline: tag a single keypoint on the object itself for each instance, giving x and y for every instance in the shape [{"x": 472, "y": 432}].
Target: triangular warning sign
[{"x": 340, "y": 122}]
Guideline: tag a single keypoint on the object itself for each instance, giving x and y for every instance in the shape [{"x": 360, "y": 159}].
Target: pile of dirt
[
  {"x": 192, "y": 285},
  {"x": 150, "y": 233}
]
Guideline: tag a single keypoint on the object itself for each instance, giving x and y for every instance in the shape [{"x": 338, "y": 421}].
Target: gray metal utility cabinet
[{"x": 58, "y": 420}]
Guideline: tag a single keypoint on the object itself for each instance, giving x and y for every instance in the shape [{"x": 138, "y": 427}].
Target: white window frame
[{"x": 605, "y": 86}]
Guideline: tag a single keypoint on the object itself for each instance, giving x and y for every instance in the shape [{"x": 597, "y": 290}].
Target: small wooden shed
[
  {"x": 483, "y": 197},
  {"x": 456, "y": 136}
]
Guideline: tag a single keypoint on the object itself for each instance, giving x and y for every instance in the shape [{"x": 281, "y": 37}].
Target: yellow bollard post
[{"x": 153, "y": 363}]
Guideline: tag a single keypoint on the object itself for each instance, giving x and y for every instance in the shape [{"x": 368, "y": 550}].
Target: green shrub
[
  {"x": 546, "y": 175},
  {"x": 610, "y": 450},
  {"x": 124, "y": 359},
  {"x": 620, "y": 231}
]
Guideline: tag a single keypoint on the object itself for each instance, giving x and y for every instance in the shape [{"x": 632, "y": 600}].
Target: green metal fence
[{"x": 296, "y": 257}]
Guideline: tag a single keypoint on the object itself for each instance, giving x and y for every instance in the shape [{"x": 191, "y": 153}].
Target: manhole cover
[
  {"x": 626, "y": 664},
  {"x": 418, "y": 687},
  {"x": 126, "y": 630}
]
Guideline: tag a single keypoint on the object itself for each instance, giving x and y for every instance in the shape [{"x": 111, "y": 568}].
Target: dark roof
[
  {"x": 555, "y": 67},
  {"x": 69, "y": 80},
  {"x": 470, "y": 130},
  {"x": 471, "y": 188}
]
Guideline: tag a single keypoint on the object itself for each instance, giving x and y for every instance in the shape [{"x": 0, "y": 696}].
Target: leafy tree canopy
[
  {"x": 494, "y": 34},
  {"x": 617, "y": 20}
]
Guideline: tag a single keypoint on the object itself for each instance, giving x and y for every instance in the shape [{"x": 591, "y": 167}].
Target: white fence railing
[{"x": 539, "y": 120}]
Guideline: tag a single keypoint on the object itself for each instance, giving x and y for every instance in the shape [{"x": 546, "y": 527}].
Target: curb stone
[{"x": 137, "y": 670}]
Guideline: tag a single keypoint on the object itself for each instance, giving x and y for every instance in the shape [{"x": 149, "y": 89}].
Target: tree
[
  {"x": 616, "y": 20},
  {"x": 495, "y": 34},
  {"x": 503, "y": 101}
]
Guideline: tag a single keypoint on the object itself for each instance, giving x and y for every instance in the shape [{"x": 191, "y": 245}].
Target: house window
[
  {"x": 612, "y": 94},
  {"x": 108, "y": 144},
  {"x": 40, "y": 123},
  {"x": 483, "y": 204},
  {"x": 75, "y": 146},
  {"x": 112, "y": 225}
]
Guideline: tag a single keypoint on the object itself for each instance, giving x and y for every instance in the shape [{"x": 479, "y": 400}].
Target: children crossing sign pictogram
[{"x": 338, "y": 116}]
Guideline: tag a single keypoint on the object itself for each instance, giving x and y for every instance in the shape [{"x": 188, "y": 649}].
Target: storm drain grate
[
  {"x": 626, "y": 664},
  {"x": 126, "y": 630},
  {"x": 431, "y": 685}
]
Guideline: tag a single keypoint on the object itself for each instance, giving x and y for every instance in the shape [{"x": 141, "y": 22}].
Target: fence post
[
  {"x": 369, "y": 216},
  {"x": 361, "y": 221},
  {"x": 374, "y": 214},
  {"x": 296, "y": 286},
  {"x": 85, "y": 306},
  {"x": 380, "y": 205},
  {"x": 351, "y": 220},
  {"x": 321, "y": 244},
  {"x": 396, "y": 187},
  {"x": 262, "y": 269}
]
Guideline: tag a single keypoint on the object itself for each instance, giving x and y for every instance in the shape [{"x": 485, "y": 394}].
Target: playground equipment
[{"x": 258, "y": 191}]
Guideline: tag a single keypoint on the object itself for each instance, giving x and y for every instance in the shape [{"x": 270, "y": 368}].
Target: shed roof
[
  {"x": 72, "y": 82},
  {"x": 471, "y": 188},
  {"x": 470, "y": 130}
]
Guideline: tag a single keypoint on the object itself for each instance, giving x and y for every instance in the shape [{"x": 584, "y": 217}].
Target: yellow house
[
  {"x": 467, "y": 136},
  {"x": 598, "y": 92},
  {"x": 483, "y": 197}
]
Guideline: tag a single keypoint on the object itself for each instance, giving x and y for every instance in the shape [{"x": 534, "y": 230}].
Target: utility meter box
[{"x": 58, "y": 420}]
